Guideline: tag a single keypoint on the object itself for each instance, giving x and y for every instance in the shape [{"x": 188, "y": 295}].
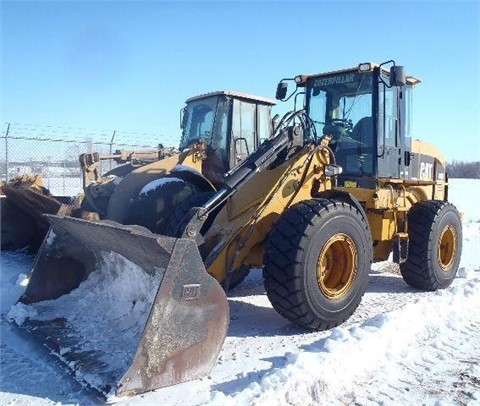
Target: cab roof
[
  {"x": 234, "y": 94},
  {"x": 411, "y": 80}
]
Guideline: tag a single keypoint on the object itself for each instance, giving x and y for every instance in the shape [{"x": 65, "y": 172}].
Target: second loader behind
[
  {"x": 219, "y": 130},
  {"x": 339, "y": 185}
]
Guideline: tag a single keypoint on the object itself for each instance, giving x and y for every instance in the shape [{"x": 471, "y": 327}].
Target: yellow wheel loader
[{"x": 340, "y": 184}]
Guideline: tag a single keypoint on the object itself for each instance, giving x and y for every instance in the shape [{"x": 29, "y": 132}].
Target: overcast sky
[{"x": 131, "y": 65}]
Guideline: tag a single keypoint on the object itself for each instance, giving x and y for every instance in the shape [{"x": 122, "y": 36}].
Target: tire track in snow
[{"x": 418, "y": 354}]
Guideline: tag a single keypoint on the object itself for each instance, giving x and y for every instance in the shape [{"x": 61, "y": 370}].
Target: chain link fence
[{"x": 53, "y": 152}]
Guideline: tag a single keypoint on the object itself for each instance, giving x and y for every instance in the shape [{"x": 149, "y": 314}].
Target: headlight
[
  {"x": 333, "y": 170},
  {"x": 365, "y": 67}
]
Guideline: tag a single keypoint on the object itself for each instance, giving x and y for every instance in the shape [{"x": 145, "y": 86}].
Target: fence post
[
  {"x": 111, "y": 147},
  {"x": 6, "y": 152},
  {"x": 63, "y": 177}
]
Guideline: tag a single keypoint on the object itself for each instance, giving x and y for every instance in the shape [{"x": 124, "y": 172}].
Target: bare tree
[{"x": 461, "y": 169}]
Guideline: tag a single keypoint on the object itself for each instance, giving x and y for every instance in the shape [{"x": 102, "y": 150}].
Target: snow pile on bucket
[{"x": 106, "y": 314}]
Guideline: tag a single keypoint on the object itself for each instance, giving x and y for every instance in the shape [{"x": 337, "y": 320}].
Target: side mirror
[
  {"x": 282, "y": 88},
  {"x": 398, "y": 76}
]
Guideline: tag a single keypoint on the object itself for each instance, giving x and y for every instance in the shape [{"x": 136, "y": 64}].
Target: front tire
[
  {"x": 317, "y": 261},
  {"x": 179, "y": 220},
  {"x": 434, "y": 247}
]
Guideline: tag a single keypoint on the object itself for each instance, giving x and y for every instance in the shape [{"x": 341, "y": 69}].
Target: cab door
[{"x": 394, "y": 138}]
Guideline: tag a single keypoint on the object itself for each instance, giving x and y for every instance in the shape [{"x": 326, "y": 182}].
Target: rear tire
[
  {"x": 317, "y": 261},
  {"x": 434, "y": 247},
  {"x": 154, "y": 208}
]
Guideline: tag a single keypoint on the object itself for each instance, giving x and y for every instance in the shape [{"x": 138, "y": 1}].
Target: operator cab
[
  {"x": 366, "y": 111},
  {"x": 231, "y": 124}
]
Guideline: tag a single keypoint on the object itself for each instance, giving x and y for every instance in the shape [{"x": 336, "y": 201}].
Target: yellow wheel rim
[
  {"x": 337, "y": 266},
  {"x": 447, "y": 248}
]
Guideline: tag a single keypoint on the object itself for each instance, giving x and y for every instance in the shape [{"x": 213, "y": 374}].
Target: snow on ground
[{"x": 401, "y": 346}]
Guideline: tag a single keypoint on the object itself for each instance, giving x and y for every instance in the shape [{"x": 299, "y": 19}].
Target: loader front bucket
[{"x": 127, "y": 310}]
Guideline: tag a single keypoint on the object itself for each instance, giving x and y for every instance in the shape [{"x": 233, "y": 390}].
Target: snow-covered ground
[{"x": 401, "y": 346}]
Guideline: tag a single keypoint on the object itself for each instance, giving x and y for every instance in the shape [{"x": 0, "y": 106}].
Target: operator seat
[
  {"x": 363, "y": 130},
  {"x": 362, "y": 134}
]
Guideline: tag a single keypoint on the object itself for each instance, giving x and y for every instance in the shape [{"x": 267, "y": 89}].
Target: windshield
[
  {"x": 198, "y": 121},
  {"x": 207, "y": 119},
  {"x": 341, "y": 106},
  {"x": 343, "y": 97}
]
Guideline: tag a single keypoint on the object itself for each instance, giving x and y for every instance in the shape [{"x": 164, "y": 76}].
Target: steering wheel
[
  {"x": 342, "y": 122},
  {"x": 338, "y": 128}
]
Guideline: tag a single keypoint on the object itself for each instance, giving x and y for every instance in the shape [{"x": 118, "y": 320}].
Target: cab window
[
  {"x": 243, "y": 128},
  {"x": 387, "y": 115},
  {"x": 264, "y": 123}
]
